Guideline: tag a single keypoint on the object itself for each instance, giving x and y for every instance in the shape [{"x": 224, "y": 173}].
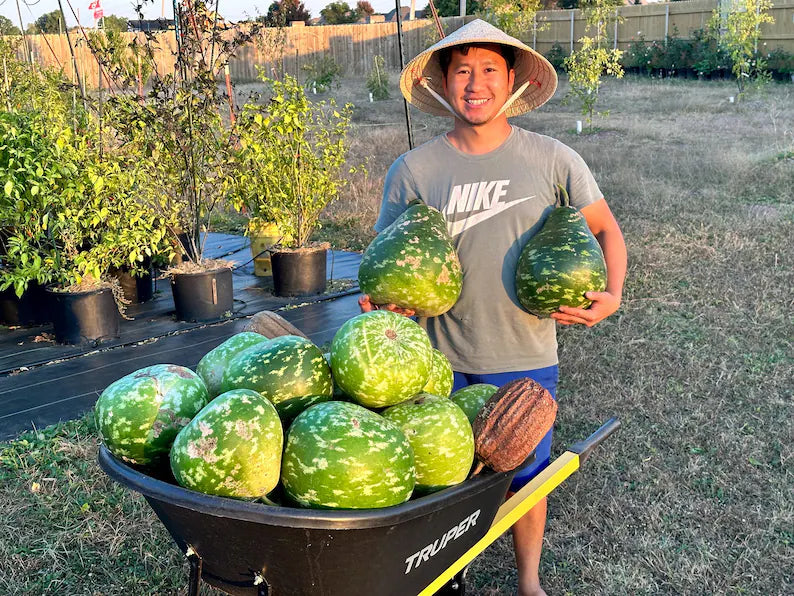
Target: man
[{"x": 495, "y": 184}]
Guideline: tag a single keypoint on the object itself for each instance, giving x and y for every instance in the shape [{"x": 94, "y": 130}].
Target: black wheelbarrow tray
[{"x": 420, "y": 547}]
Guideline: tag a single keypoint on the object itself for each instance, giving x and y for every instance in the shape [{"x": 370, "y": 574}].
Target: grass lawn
[{"x": 692, "y": 496}]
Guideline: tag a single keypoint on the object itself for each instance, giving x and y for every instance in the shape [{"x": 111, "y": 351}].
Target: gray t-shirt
[{"x": 493, "y": 204}]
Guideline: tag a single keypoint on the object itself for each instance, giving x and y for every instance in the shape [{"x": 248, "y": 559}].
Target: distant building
[
  {"x": 150, "y": 25},
  {"x": 405, "y": 12}
]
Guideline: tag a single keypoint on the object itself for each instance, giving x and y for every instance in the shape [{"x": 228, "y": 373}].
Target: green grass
[{"x": 692, "y": 496}]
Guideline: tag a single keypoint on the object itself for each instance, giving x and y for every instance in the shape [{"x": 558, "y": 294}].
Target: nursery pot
[
  {"x": 300, "y": 272},
  {"x": 31, "y": 309},
  {"x": 202, "y": 296},
  {"x": 84, "y": 316},
  {"x": 263, "y": 238},
  {"x": 136, "y": 289}
]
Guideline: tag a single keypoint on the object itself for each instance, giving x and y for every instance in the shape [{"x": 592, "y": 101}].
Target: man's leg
[
  {"x": 527, "y": 544},
  {"x": 527, "y": 531}
]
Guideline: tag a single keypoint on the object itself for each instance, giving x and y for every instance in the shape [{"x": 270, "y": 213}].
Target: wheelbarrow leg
[
  {"x": 195, "y": 572},
  {"x": 456, "y": 586}
]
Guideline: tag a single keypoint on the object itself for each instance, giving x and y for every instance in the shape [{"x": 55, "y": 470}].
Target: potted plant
[
  {"x": 22, "y": 296},
  {"x": 180, "y": 135},
  {"x": 74, "y": 217},
  {"x": 299, "y": 148}
]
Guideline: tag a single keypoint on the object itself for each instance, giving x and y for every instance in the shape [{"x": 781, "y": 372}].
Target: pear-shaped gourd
[
  {"x": 413, "y": 264},
  {"x": 560, "y": 263}
]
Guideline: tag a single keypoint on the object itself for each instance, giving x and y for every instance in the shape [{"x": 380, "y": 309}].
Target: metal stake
[
  {"x": 74, "y": 59},
  {"x": 402, "y": 65}
]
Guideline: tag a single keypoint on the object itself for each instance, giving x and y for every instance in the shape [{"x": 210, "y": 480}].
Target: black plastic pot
[
  {"x": 84, "y": 316},
  {"x": 247, "y": 548},
  {"x": 32, "y": 309},
  {"x": 137, "y": 289},
  {"x": 202, "y": 296},
  {"x": 299, "y": 273}
]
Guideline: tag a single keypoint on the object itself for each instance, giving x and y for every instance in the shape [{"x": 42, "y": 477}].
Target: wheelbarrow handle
[{"x": 586, "y": 446}]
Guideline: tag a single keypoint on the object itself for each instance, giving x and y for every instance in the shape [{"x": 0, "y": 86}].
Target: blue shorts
[{"x": 545, "y": 376}]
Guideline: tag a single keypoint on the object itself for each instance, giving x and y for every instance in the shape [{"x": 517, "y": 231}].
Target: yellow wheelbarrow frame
[{"x": 526, "y": 498}]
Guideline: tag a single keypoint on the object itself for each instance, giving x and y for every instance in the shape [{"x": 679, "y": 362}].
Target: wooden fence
[{"x": 354, "y": 46}]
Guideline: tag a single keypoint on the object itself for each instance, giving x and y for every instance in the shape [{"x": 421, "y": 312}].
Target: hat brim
[{"x": 529, "y": 66}]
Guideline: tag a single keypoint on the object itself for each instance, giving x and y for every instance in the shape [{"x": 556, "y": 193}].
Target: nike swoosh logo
[{"x": 456, "y": 227}]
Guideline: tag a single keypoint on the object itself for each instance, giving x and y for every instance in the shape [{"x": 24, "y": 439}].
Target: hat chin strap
[
  {"x": 512, "y": 98},
  {"x": 423, "y": 82}
]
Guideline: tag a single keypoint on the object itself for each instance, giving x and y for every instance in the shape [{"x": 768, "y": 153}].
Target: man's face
[{"x": 477, "y": 84}]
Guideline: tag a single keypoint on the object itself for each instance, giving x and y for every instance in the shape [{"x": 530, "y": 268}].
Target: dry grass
[{"x": 692, "y": 496}]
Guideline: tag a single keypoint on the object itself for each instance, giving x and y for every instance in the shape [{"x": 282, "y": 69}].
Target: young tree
[
  {"x": 595, "y": 58},
  {"x": 740, "y": 31},
  {"x": 515, "y": 17},
  {"x": 339, "y": 13}
]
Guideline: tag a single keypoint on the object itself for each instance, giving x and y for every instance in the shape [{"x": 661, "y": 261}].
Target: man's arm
[
  {"x": 606, "y": 230},
  {"x": 398, "y": 191}
]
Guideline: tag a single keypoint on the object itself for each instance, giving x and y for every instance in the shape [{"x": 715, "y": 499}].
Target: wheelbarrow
[{"x": 420, "y": 547}]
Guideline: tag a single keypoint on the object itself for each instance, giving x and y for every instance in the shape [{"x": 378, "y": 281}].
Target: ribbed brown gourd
[
  {"x": 413, "y": 264},
  {"x": 560, "y": 263},
  {"x": 512, "y": 423}
]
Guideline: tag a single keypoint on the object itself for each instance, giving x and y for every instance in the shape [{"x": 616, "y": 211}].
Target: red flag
[
  {"x": 93, "y": 5},
  {"x": 98, "y": 13}
]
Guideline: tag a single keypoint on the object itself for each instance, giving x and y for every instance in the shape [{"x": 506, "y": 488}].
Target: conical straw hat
[{"x": 529, "y": 66}]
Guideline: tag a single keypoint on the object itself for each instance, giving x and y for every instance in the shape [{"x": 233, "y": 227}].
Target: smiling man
[{"x": 495, "y": 184}]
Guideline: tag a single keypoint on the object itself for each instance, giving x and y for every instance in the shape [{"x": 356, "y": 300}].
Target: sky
[{"x": 232, "y": 10}]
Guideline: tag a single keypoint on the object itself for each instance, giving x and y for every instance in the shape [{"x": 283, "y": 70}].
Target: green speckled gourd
[
  {"x": 472, "y": 398},
  {"x": 214, "y": 362},
  {"x": 139, "y": 415},
  {"x": 380, "y": 358},
  {"x": 413, "y": 264},
  {"x": 232, "y": 448},
  {"x": 289, "y": 370},
  {"x": 441, "y": 438},
  {"x": 340, "y": 455},
  {"x": 441, "y": 376},
  {"x": 560, "y": 263}
]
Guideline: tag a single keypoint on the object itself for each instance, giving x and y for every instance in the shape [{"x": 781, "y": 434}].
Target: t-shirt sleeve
[
  {"x": 573, "y": 173},
  {"x": 399, "y": 189}
]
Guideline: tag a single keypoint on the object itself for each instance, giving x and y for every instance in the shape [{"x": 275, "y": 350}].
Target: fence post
[
  {"x": 615, "y": 42},
  {"x": 534, "y": 31},
  {"x": 666, "y": 22},
  {"x": 571, "y": 31},
  {"x": 463, "y": 8}
]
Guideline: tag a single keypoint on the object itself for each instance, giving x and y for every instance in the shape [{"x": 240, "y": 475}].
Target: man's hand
[
  {"x": 367, "y": 306},
  {"x": 604, "y": 304}
]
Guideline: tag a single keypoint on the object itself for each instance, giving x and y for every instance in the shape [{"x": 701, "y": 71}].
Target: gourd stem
[{"x": 562, "y": 194}]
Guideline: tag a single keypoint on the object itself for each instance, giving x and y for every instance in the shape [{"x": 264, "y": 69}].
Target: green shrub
[
  {"x": 320, "y": 73},
  {"x": 780, "y": 62},
  {"x": 378, "y": 80},
  {"x": 292, "y": 156},
  {"x": 556, "y": 55}
]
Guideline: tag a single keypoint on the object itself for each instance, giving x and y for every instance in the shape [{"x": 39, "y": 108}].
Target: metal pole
[
  {"x": 28, "y": 54},
  {"x": 402, "y": 65},
  {"x": 666, "y": 22},
  {"x": 6, "y": 86},
  {"x": 74, "y": 58},
  {"x": 534, "y": 32},
  {"x": 615, "y": 43},
  {"x": 572, "y": 31},
  {"x": 99, "y": 101},
  {"x": 463, "y": 8}
]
